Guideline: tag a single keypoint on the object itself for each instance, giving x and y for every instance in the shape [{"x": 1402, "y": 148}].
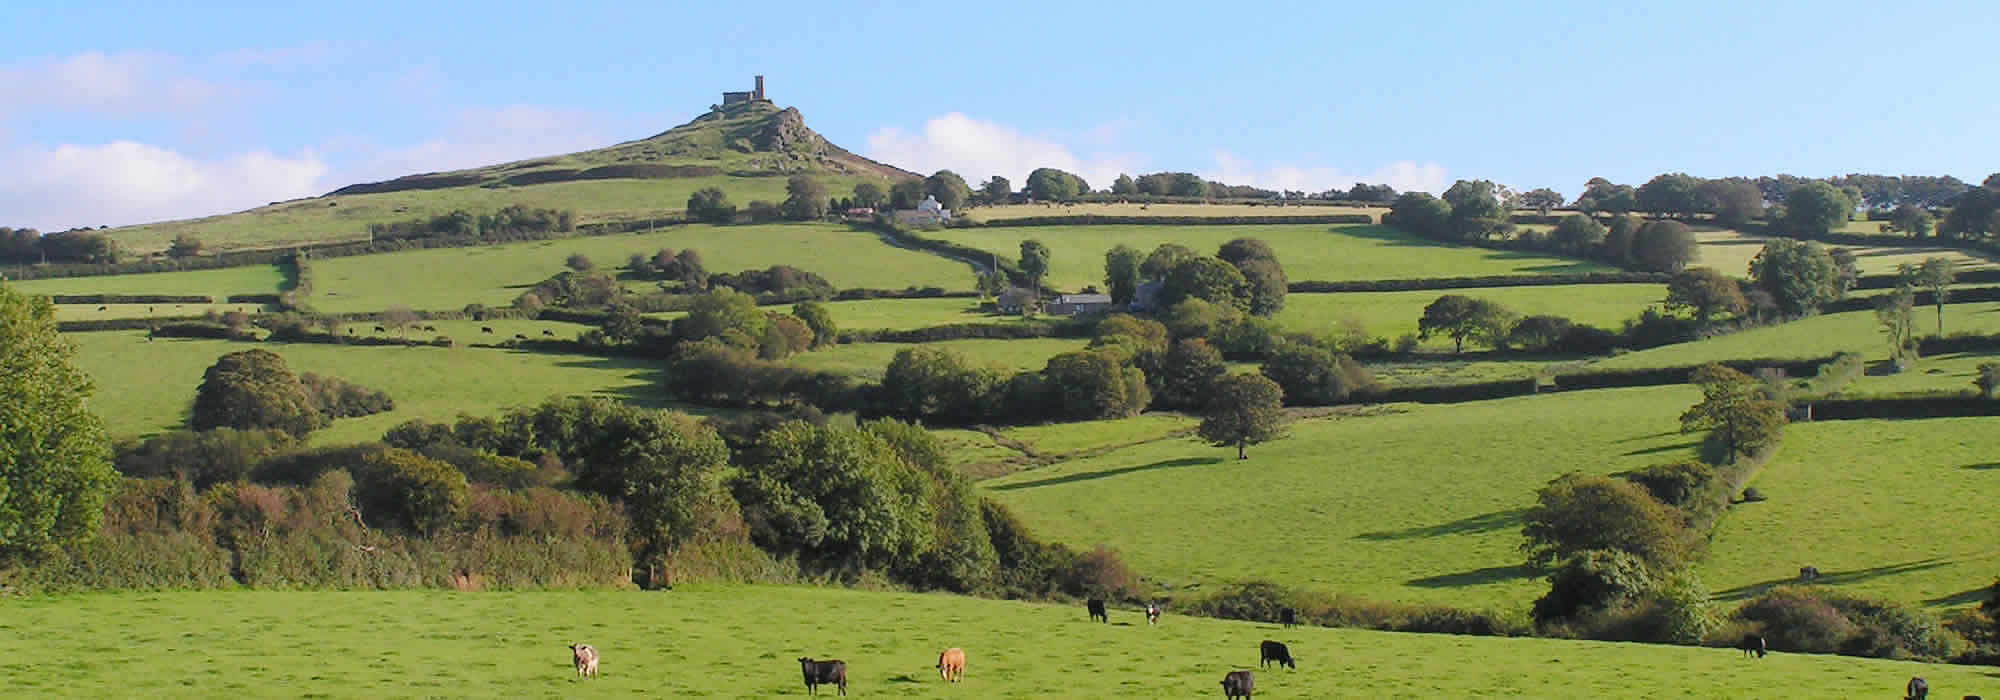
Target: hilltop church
[{"x": 735, "y": 98}]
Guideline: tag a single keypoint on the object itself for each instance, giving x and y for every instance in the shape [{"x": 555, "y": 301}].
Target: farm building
[
  {"x": 928, "y": 213},
  {"x": 1014, "y": 300},
  {"x": 1073, "y": 304}
]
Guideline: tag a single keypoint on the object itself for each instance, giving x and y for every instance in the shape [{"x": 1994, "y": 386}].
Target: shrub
[
  {"x": 254, "y": 389},
  {"x": 1590, "y": 580},
  {"x": 1100, "y": 572},
  {"x": 334, "y": 397},
  {"x": 403, "y": 489},
  {"x": 216, "y": 456},
  {"x": 1579, "y": 513},
  {"x": 1815, "y": 620},
  {"x": 1677, "y": 483}
]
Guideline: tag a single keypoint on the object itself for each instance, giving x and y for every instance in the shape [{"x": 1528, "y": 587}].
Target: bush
[
  {"x": 334, "y": 397},
  {"x": 1101, "y": 573},
  {"x": 400, "y": 488},
  {"x": 1818, "y": 621},
  {"x": 1592, "y": 579},
  {"x": 1677, "y": 484},
  {"x": 204, "y": 458}
]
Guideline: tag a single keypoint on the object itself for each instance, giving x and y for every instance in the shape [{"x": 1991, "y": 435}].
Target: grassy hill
[
  {"x": 747, "y": 149},
  {"x": 742, "y": 642}
]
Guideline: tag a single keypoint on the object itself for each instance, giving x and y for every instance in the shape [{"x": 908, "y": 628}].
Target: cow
[
  {"x": 548, "y": 333},
  {"x": 379, "y": 329},
  {"x": 430, "y": 329},
  {"x": 819, "y": 673},
  {"x": 486, "y": 329},
  {"x": 1238, "y": 684},
  {"x": 1096, "y": 608},
  {"x": 1808, "y": 574},
  {"x": 103, "y": 308},
  {"x": 1288, "y": 617},
  {"x": 1271, "y": 651},
  {"x": 585, "y": 659},
  {"x": 1152, "y": 613},
  {"x": 1918, "y": 689},
  {"x": 951, "y": 665},
  {"x": 1753, "y": 644},
  {"x": 518, "y": 336}
]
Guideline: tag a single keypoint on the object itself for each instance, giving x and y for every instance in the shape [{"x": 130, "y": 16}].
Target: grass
[
  {"x": 1419, "y": 503},
  {"x": 451, "y": 278},
  {"x": 1889, "y": 509},
  {"x": 906, "y": 314},
  {"x": 1730, "y": 253},
  {"x": 1950, "y": 372},
  {"x": 1017, "y": 211},
  {"x": 146, "y": 387},
  {"x": 1447, "y": 371},
  {"x": 742, "y": 642},
  {"x": 1391, "y": 314},
  {"x": 218, "y": 283},
  {"x": 1072, "y": 438},
  {"x": 1852, "y": 331},
  {"x": 868, "y": 360},
  {"x": 1308, "y": 251}
]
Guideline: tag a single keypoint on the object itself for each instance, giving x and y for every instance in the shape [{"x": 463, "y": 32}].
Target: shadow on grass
[
  {"x": 1476, "y": 577},
  {"x": 1488, "y": 522},
  {"x": 905, "y": 678},
  {"x": 1665, "y": 448},
  {"x": 1836, "y": 578},
  {"x": 1961, "y": 598},
  {"x": 1088, "y": 476},
  {"x": 1989, "y": 466}
]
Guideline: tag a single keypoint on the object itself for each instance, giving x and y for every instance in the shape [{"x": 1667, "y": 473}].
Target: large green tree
[
  {"x": 1974, "y": 215},
  {"x": 1050, "y": 184},
  {"x": 1815, "y": 209},
  {"x": 1734, "y": 201},
  {"x": 1164, "y": 259},
  {"x": 1421, "y": 214},
  {"x": 711, "y": 205},
  {"x": 1094, "y": 385},
  {"x": 55, "y": 461},
  {"x": 869, "y": 195},
  {"x": 1034, "y": 261},
  {"x": 1315, "y": 376},
  {"x": 1936, "y": 275},
  {"x": 997, "y": 190},
  {"x": 949, "y": 189},
  {"x": 1243, "y": 410},
  {"x": 1705, "y": 292},
  {"x": 1208, "y": 279},
  {"x": 1578, "y": 513},
  {"x": 818, "y": 319},
  {"x": 1541, "y": 199},
  {"x": 253, "y": 390},
  {"x": 805, "y": 198},
  {"x": 725, "y": 313},
  {"x": 1578, "y": 234},
  {"x": 1913, "y": 220},
  {"x": 1672, "y": 194},
  {"x": 1181, "y": 378},
  {"x": 1799, "y": 276},
  {"x": 1665, "y": 246},
  {"x": 1121, "y": 273},
  {"x": 1601, "y": 195},
  {"x": 1476, "y": 209},
  {"x": 1464, "y": 318},
  {"x": 837, "y": 496}
]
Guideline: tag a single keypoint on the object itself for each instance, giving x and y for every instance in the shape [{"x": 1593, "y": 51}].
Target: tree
[
  {"x": 906, "y": 194},
  {"x": 1578, "y": 234},
  {"x": 1578, "y": 513},
  {"x": 1421, "y": 214},
  {"x": 1541, "y": 200},
  {"x": 1816, "y": 208},
  {"x": 1600, "y": 195},
  {"x": 1672, "y": 194},
  {"x": 1315, "y": 376},
  {"x": 579, "y": 262},
  {"x": 1050, "y": 184},
  {"x": 1799, "y": 276},
  {"x": 1735, "y": 201},
  {"x": 818, "y": 319},
  {"x": 869, "y": 195},
  {"x": 253, "y": 390},
  {"x": 623, "y": 324},
  {"x": 949, "y": 189},
  {"x": 1464, "y": 318},
  {"x": 184, "y": 246},
  {"x": 997, "y": 189},
  {"x": 1124, "y": 185},
  {"x": 1476, "y": 209},
  {"x": 710, "y": 204},
  {"x": 1936, "y": 274},
  {"x": 403, "y": 489},
  {"x": 1264, "y": 283},
  {"x": 55, "y": 461},
  {"x": 838, "y": 495},
  {"x": 1620, "y": 237},
  {"x": 1208, "y": 279},
  {"x": 1706, "y": 292},
  {"x": 1592, "y": 580},
  {"x": 1895, "y": 312},
  {"x": 805, "y": 198},
  {"x": 1121, "y": 273},
  {"x": 718, "y": 313},
  {"x": 1741, "y": 411},
  {"x": 1665, "y": 246},
  {"x": 1539, "y": 332},
  {"x": 1988, "y": 383},
  {"x": 1973, "y": 214},
  {"x": 1243, "y": 410},
  {"x": 1034, "y": 261},
  {"x": 1181, "y": 379},
  {"x": 1094, "y": 385},
  {"x": 1164, "y": 259},
  {"x": 1913, "y": 220}
]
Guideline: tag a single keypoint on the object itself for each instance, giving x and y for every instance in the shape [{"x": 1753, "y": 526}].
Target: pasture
[
  {"x": 743, "y": 642},
  {"x": 450, "y": 278},
  {"x": 868, "y": 360},
  {"x": 1851, "y": 331},
  {"x": 1884, "y": 508},
  {"x": 146, "y": 387},
  {"x": 1019, "y": 211},
  {"x": 1391, "y": 314},
  {"x": 218, "y": 283},
  {"x": 1730, "y": 252},
  {"x": 907, "y": 314},
  {"x": 1308, "y": 251},
  {"x": 1406, "y": 502}
]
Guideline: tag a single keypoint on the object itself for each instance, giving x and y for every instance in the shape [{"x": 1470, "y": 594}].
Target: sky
[{"x": 118, "y": 113}]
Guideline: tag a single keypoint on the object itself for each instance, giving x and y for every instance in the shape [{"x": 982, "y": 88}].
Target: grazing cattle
[
  {"x": 1808, "y": 574},
  {"x": 951, "y": 665},
  {"x": 548, "y": 333},
  {"x": 819, "y": 673},
  {"x": 486, "y": 329},
  {"x": 1918, "y": 689},
  {"x": 102, "y": 308},
  {"x": 1238, "y": 684},
  {"x": 379, "y": 329},
  {"x": 1152, "y": 614},
  {"x": 518, "y": 336},
  {"x": 149, "y": 309},
  {"x": 585, "y": 658},
  {"x": 1288, "y": 617},
  {"x": 430, "y": 329},
  {"x": 1753, "y": 644},
  {"x": 1271, "y": 651},
  {"x": 1096, "y": 608}
]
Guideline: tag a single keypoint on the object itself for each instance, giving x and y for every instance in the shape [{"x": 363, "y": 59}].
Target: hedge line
[
  {"x": 1959, "y": 342},
  {"x": 202, "y": 329},
  {"x": 130, "y": 299},
  {"x": 1098, "y": 219},
  {"x": 1659, "y": 376},
  {"x": 1923, "y": 298},
  {"x": 1890, "y": 280},
  {"x": 120, "y": 324},
  {"x": 1958, "y": 405},
  {"x": 1317, "y": 286},
  {"x": 297, "y": 286},
  {"x": 967, "y": 331},
  {"x": 899, "y": 236},
  {"x": 272, "y": 299}
]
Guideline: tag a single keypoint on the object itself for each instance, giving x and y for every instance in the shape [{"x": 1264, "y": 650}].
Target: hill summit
[{"x": 748, "y": 138}]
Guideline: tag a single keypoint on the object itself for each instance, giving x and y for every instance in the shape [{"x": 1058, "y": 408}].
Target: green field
[
  {"x": 145, "y": 387},
  {"x": 218, "y": 283},
  {"x": 1420, "y": 504},
  {"x": 1308, "y": 251},
  {"x": 743, "y": 642},
  {"x": 868, "y": 360},
  {"x": 1391, "y": 314},
  {"x": 1887, "y": 509},
  {"x": 1729, "y": 252},
  {"x": 450, "y": 278},
  {"x": 1855, "y": 331},
  {"x": 1017, "y": 211}
]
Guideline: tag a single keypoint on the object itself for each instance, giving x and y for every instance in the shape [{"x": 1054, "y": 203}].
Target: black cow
[
  {"x": 1271, "y": 651},
  {"x": 430, "y": 329},
  {"x": 1918, "y": 689},
  {"x": 1808, "y": 574},
  {"x": 1096, "y": 607},
  {"x": 486, "y": 329},
  {"x": 818, "y": 673},
  {"x": 1288, "y": 617},
  {"x": 101, "y": 308},
  {"x": 1753, "y": 644},
  {"x": 1152, "y": 613},
  {"x": 379, "y": 329},
  {"x": 518, "y": 336},
  {"x": 548, "y": 333},
  {"x": 1238, "y": 684}
]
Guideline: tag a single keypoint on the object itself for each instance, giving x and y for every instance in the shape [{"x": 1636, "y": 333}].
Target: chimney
[{"x": 760, "y": 88}]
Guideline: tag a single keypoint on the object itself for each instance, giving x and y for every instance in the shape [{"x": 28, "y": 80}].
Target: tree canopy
[
  {"x": 1665, "y": 246},
  {"x": 1578, "y": 513},
  {"x": 252, "y": 390},
  {"x": 711, "y": 205},
  {"x": 1705, "y": 292},
  {"x": 1034, "y": 261},
  {"x": 1815, "y": 209},
  {"x": 1243, "y": 410},
  {"x": 805, "y": 198},
  {"x": 949, "y": 189},
  {"x": 1578, "y": 234},
  {"x": 1055, "y": 185},
  {"x": 1208, "y": 279},
  {"x": 1464, "y": 318},
  {"x": 55, "y": 461},
  {"x": 1121, "y": 273},
  {"x": 1799, "y": 276}
]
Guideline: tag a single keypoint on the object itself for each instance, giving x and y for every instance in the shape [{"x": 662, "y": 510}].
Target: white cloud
[
  {"x": 124, "y": 84},
  {"x": 1405, "y": 176},
  {"x": 978, "y": 149},
  {"x": 479, "y": 137},
  {"x": 123, "y": 182}
]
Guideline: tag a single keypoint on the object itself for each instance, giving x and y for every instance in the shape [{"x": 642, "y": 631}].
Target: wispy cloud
[
  {"x": 122, "y": 85},
  {"x": 1405, "y": 176},
  {"x": 977, "y": 149},
  {"x": 124, "y": 182}
]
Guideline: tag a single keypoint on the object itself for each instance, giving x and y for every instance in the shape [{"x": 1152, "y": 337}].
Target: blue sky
[{"x": 121, "y": 113}]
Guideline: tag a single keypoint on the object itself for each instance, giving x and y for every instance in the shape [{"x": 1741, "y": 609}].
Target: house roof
[{"x": 1084, "y": 299}]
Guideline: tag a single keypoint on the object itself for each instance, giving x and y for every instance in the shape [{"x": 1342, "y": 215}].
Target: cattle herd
[{"x": 1235, "y": 684}]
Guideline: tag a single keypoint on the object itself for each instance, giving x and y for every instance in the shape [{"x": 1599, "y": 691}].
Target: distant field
[
  {"x": 146, "y": 387},
  {"x": 906, "y": 314},
  {"x": 1446, "y": 371},
  {"x": 92, "y": 312},
  {"x": 1895, "y": 509},
  {"x": 1391, "y": 314},
  {"x": 1016, "y": 211},
  {"x": 1418, "y": 505},
  {"x": 450, "y": 278},
  {"x": 741, "y": 642},
  {"x": 1070, "y": 438},
  {"x": 218, "y": 283},
  {"x": 1308, "y": 251},
  {"x": 1730, "y": 252},
  {"x": 868, "y": 360},
  {"x": 1951, "y": 372},
  {"x": 1813, "y": 337},
  {"x": 347, "y": 217}
]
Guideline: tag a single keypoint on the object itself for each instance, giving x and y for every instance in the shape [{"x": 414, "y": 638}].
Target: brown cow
[
  {"x": 951, "y": 665},
  {"x": 1238, "y": 684},
  {"x": 585, "y": 659}
]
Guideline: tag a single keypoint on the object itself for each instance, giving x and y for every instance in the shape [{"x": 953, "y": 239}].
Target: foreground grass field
[
  {"x": 1855, "y": 331},
  {"x": 1407, "y": 502},
  {"x": 1308, "y": 251},
  {"x": 743, "y": 642},
  {"x": 450, "y": 278},
  {"x": 1392, "y": 314},
  {"x": 1888, "y": 509},
  {"x": 147, "y": 387}
]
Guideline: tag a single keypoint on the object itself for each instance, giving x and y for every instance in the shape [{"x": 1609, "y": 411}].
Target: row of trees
[
  {"x": 509, "y": 222},
  {"x": 1244, "y": 274},
  {"x": 1472, "y": 211},
  {"x": 26, "y": 246}
]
